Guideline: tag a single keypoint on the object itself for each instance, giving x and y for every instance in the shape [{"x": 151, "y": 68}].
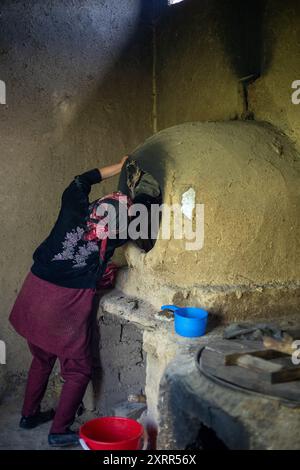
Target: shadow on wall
[
  {"x": 115, "y": 116},
  {"x": 240, "y": 26}
]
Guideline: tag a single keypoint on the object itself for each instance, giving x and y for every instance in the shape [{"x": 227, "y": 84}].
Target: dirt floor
[{"x": 14, "y": 438}]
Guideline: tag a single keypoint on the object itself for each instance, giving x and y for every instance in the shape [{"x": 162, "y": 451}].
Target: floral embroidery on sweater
[{"x": 75, "y": 249}]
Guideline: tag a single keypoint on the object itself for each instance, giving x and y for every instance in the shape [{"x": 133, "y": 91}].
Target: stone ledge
[
  {"x": 132, "y": 309},
  {"x": 142, "y": 314},
  {"x": 160, "y": 341}
]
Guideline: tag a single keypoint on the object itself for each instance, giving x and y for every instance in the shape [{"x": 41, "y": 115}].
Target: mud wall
[
  {"x": 196, "y": 80},
  {"x": 270, "y": 96},
  {"x": 207, "y": 50},
  {"x": 78, "y": 77}
]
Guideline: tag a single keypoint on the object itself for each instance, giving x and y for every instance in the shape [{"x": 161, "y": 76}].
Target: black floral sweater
[{"x": 65, "y": 258}]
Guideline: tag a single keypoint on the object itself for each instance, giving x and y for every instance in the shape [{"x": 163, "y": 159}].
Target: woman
[{"x": 53, "y": 308}]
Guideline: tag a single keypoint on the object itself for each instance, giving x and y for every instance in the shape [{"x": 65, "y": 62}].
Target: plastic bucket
[
  {"x": 112, "y": 433},
  {"x": 188, "y": 321}
]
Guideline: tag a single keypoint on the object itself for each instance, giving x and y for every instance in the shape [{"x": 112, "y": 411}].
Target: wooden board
[
  {"x": 263, "y": 362},
  {"x": 212, "y": 363}
]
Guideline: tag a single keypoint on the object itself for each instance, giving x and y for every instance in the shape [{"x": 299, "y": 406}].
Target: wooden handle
[{"x": 284, "y": 345}]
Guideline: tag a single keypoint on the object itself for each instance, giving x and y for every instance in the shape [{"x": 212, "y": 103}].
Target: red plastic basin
[{"x": 112, "y": 433}]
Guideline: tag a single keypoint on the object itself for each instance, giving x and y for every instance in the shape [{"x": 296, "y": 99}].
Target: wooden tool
[
  {"x": 285, "y": 345},
  {"x": 262, "y": 362}
]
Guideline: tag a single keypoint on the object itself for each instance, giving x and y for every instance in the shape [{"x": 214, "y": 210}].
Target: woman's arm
[
  {"x": 112, "y": 170},
  {"x": 76, "y": 195}
]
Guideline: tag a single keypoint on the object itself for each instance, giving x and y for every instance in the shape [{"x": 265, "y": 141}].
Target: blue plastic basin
[{"x": 188, "y": 321}]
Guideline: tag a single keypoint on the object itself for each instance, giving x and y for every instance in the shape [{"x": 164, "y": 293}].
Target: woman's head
[{"x": 108, "y": 220}]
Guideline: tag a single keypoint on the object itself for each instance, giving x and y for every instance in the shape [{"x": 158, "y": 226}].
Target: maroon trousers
[{"x": 75, "y": 372}]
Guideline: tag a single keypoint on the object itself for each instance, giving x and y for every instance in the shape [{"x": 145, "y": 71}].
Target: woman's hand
[
  {"x": 123, "y": 160},
  {"x": 112, "y": 170}
]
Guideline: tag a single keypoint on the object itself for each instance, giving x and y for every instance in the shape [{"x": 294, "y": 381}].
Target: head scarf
[{"x": 108, "y": 219}]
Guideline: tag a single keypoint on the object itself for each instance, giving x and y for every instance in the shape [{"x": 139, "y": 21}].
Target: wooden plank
[
  {"x": 230, "y": 359},
  {"x": 259, "y": 361},
  {"x": 286, "y": 374},
  {"x": 284, "y": 345},
  {"x": 258, "y": 364}
]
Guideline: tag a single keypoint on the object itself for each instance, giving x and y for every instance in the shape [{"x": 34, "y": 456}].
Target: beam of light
[{"x": 172, "y": 2}]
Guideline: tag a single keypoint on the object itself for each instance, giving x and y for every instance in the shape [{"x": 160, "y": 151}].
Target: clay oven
[{"x": 246, "y": 176}]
